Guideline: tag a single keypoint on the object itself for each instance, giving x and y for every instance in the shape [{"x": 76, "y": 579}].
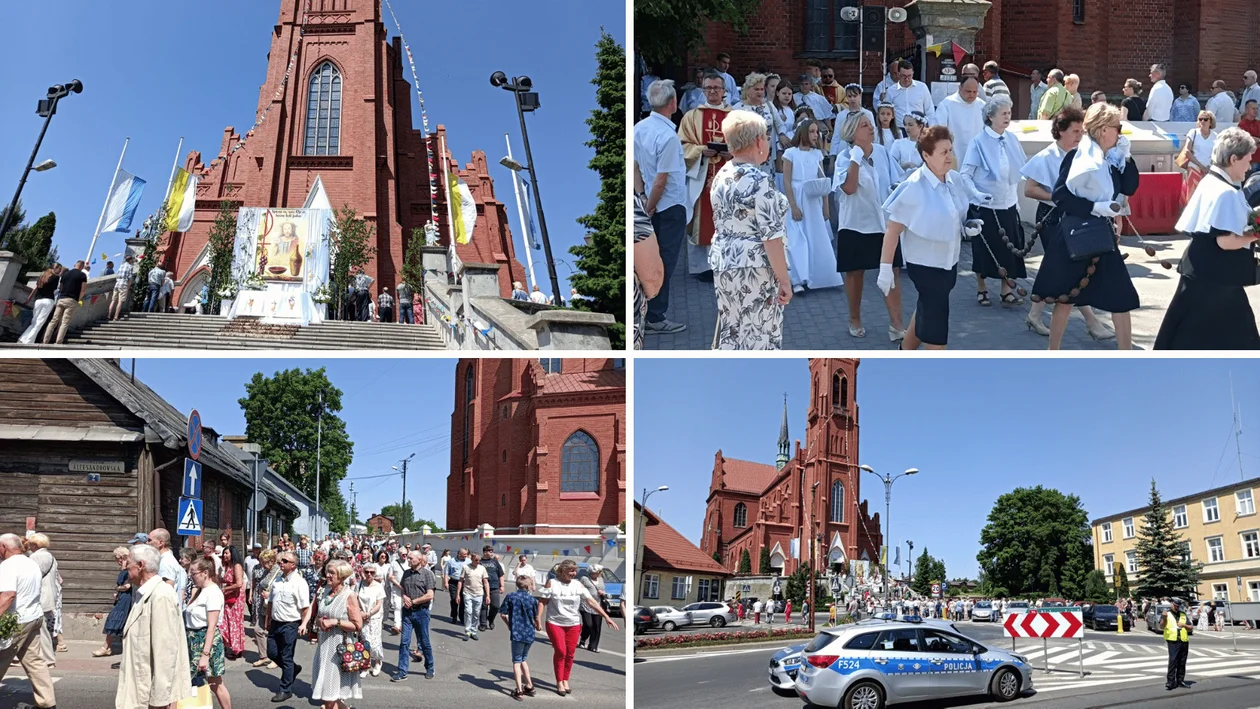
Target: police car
[{"x": 871, "y": 665}]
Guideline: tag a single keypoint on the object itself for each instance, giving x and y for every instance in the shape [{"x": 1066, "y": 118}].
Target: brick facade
[
  {"x": 1199, "y": 40},
  {"x": 779, "y": 500},
  {"x": 380, "y": 524},
  {"x": 381, "y": 171},
  {"x": 511, "y": 421}
]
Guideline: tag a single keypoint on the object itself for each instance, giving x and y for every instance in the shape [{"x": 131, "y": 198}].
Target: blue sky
[
  {"x": 976, "y": 428},
  {"x": 392, "y": 408},
  {"x": 155, "y": 71}
]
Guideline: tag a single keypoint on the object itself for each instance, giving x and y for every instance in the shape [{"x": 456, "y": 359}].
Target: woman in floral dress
[
  {"x": 233, "y": 622},
  {"x": 337, "y": 620},
  {"x": 750, "y": 275}
]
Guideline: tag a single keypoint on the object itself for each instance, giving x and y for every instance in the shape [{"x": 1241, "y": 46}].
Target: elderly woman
[
  {"x": 371, "y": 594},
  {"x": 49, "y": 596},
  {"x": 992, "y": 169},
  {"x": 593, "y": 582},
  {"x": 1041, "y": 172},
  {"x": 865, "y": 177},
  {"x": 337, "y": 616},
  {"x": 201, "y": 621},
  {"x": 904, "y": 152},
  {"x": 1199, "y": 143},
  {"x": 925, "y": 218},
  {"x": 1210, "y": 310},
  {"x": 809, "y": 253},
  {"x": 1132, "y": 106},
  {"x": 265, "y": 574},
  {"x": 1186, "y": 106},
  {"x": 750, "y": 274},
  {"x": 1088, "y": 188},
  {"x": 754, "y": 99},
  {"x": 559, "y": 614},
  {"x": 117, "y": 617}
]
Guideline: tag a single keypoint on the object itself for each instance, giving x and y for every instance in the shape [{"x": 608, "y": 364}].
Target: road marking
[
  {"x": 703, "y": 655},
  {"x": 1076, "y": 684}
]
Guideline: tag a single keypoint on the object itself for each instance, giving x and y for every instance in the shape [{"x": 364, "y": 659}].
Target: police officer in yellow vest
[{"x": 1176, "y": 627}]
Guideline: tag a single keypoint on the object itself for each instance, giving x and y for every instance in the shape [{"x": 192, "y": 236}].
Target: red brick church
[
  {"x": 345, "y": 118},
  {"x": 538, "y": 444},
  {"x": 752, "y": 506}
]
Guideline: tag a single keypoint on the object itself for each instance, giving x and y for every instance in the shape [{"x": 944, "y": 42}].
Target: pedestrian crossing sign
[{"x": 189, "y": 517}]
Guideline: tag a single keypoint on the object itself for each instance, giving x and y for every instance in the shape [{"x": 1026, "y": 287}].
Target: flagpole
[
  {"x": 174, "y": 167},
  {"x": 450, "y": 220},
  {"x": 108, "y": 193},
  {"x": 520, "y": 210}
]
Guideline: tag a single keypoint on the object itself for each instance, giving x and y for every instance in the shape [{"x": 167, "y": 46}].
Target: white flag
[{"x": 124, "y": 198}]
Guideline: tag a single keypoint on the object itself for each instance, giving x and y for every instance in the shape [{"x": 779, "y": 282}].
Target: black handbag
[{"x": 1087, "y": 237}]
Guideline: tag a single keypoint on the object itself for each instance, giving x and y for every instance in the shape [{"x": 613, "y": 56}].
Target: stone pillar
[
  {"x": 937, "y": 21},
  {"x": 562, "y": 329},
  {"x": 481, "y": 280},
  {"x": 135, "y": 249},
  {"x": 10, "y": 272},
  {"x": 433, "y": 259}
]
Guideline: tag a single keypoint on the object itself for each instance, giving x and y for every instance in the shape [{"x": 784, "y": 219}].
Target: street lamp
[
  {"x": 888, "y": 482},
  {"x": 527, "y": 100},
  {"x": 810, "y": 591},
  {"x": 46, "y": 110},
  {"x": 641, "y": 531},
  {"x": 910, "y": 562},
  {"x": 44, "y": 166}
]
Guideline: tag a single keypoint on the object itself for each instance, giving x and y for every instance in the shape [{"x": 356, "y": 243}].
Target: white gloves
[
  {"x": 1119, "y": 154},
  {"x": 973, "y": 227},
  {"x": 1105, "y": 209},
  {"x": 856, "y": 155},
  {"x": 885, "y": 280}
]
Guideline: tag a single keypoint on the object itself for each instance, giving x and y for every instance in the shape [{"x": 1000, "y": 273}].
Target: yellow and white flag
[
  {"x": 181, "y": 203},
  {"x": 463, "y": 209}
]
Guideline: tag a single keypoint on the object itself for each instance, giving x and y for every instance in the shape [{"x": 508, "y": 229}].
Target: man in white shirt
[
  {"x": 289, "y": 597},
  {"x": 659, "y": 155},
  {"x": 1035, "y": 92},
  {"x": 890, "y": 80},
  {"x": 1159, "y": 102},
  {"x": 20, "y": 584},
  {"x": 393, "y": 584},
  {"x": 723, "y": 66},
  {"x": 168, "y": 566},
  {"x": 693, "y": 95},
  {"x": 1222, "y": 104},
  {"x": 972, "y": 71},
  {"x": 1250, "y": 92},
  {"x": 908, "y": 94},
  {"x": 963, "y": 114},
  {"x": 823, "y": 109},
  {"x": 430, "y": 556}
]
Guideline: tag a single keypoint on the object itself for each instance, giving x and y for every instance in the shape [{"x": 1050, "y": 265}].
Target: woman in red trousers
[{"x": 560, "y": 615}]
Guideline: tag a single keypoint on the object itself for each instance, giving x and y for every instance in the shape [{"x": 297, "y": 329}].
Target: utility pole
[
  {"x": 319, "y": 449},
  {"x": 354, "y": 503},
  {"x": 253, "y": 513},
  {"x": 910, "y": 563},
  {"x": 1237, "y": 427}
]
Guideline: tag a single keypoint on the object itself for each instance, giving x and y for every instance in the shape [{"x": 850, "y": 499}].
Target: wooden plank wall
[{"x": 55, "y": 392}]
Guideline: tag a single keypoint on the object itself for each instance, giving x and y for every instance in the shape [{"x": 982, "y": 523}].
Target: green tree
[
  {"x": 352, "y": 249},
  {"x": 601, "y": 262},
  {"x": 666, "y": 31},
  {"x": 402, "y": 515},
  {"x": 745, "y": 563},
  {"x": 413, "y": 269},
  {"x": 927, "y": 570},
  {"x": 420, "y": 522},
  {"x": 717, "y": 556},
  {"x": 220, "y": 245},
  {"x": 282, "y": 415},
  {"x": 1026, "y": 542},
  {"x": 148, "y": 257},
  {"x": 18, "y": 219},
  {"x": 1164, "y": 570},
  {"x": 33, "y": 243},
  {"x": 797, "y": 587},
  {"x": 1075, "y": 572},
  {"x": 1096, "y": 590},
  {"x": 1122, "y": 584},
  {"x": 763, "y": 563}
]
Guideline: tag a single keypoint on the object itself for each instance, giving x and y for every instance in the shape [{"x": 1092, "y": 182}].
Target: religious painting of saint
[{"x": 280, "y": 250}]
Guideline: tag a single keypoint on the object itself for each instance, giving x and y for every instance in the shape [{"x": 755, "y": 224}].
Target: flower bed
[{"x": 722, "y": 638}]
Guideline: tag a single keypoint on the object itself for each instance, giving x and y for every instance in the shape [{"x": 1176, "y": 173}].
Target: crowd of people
[
  {"x": 179, "y": 618},
  {"x": 778, "y": 188}
]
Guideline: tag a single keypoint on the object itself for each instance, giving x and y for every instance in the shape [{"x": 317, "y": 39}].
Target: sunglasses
[{"x": 1205, "y": 120}]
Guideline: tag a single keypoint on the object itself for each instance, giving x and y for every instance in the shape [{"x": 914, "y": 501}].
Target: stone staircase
[{"x": 177, "y": 331}]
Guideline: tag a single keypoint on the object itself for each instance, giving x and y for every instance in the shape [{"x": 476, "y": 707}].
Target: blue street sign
[
  {"x": 189, "y": 517},
  {"x": 194, "y": 435},
  {"x": 192, "y": 479}
]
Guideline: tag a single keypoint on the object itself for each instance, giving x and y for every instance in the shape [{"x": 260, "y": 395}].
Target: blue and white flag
[{"x": 124, "y": 198}]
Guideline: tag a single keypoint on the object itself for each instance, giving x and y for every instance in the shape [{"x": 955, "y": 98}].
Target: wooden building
[{"x": 91, "y": 456}]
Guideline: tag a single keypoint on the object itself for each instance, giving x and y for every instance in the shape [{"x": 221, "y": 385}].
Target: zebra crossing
[{"x": 1108, "y": 663}]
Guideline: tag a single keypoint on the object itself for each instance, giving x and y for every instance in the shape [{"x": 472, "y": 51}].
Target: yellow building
[{"x": 1219, "y": 528}]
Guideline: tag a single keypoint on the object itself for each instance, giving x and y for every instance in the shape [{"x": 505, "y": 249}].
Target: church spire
[{"x": 784, "y": 442}]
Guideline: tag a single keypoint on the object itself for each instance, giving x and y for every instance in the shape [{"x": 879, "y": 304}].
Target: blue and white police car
[
  {"x": 784, "y": 665},
  {"x": 871, "y": 665}
]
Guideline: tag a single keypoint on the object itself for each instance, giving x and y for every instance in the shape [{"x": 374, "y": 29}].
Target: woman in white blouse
[
  {"x": 926, "y": 216},
  {"x": 811, "y": 260},
  {"x": 865, "y": 177},
  {"x": 201, "y": 620},
  {"x": 1041, "y": 173},
  {"x": 992, "y": 168},
  {"x": 560, "y": 611},
  {"x": 371, "y": 594},
  {"x": 904, "y": 152},
  {"x": 1201, "y": 140}
]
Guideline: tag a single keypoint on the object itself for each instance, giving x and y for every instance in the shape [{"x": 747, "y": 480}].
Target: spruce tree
[
  {"x": 33, "y": 243},
  {"x": 1075, "y": 570},
  {"x": 1164, "y": 571},
  {"x": 221, "y": 244},
  {"x": 745, "y": 562},
  {"x": 1096, "y": 590},
  {"x": 1122, "y": 583},
  {"x": 763, "y": 563},
  {"x": 601, "y": 261}
]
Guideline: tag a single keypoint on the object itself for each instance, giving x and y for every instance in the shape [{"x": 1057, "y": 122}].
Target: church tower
[
  {"x": 785, "y": 444},
  {"x": 831, "y": 451}
]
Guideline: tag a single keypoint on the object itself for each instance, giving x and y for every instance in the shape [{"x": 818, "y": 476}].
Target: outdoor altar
[{"x": 280, "y": 266}]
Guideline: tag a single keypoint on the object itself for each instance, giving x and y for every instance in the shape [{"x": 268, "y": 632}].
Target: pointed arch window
[
  {"x": 323, "y": 113},
  {"x": 741, "y": 516},
  {"x": 470, "y": 390},
  {"x": 579, "y": 464},
  {"x": 837, "y": 501}
]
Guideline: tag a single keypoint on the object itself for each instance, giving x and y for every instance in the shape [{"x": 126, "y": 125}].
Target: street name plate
[{"x": 97, "y": 466}]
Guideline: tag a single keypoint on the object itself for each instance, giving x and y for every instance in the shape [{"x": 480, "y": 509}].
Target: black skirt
[
  {"x": 856, "y": 251},
  {"x": 981, "y": 260},
  {"x": 1110, "y": 288},
  {"x": 931, "y": 314},
  {"x": 1210, "y": 310}
]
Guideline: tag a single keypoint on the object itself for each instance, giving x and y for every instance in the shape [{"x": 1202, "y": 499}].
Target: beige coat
[{"x": 155, "y": 670}]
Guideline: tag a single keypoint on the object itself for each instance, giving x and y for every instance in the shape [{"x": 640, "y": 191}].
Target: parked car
[
  {"x": 613, "y": 586},
  {"x": 1100, "y": 617},
  {"x": 784, "y": 665},
  {"x": 1017, "y": 607},
  {"x": 983, "y": 610},
  {"x": 643, "y": 619},
  {"x": 1154, "y": 614},
  {"x": 669, "y": 618},
  {"x": 874, "y": 665},
  {"x": 712, "y": 612}
]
